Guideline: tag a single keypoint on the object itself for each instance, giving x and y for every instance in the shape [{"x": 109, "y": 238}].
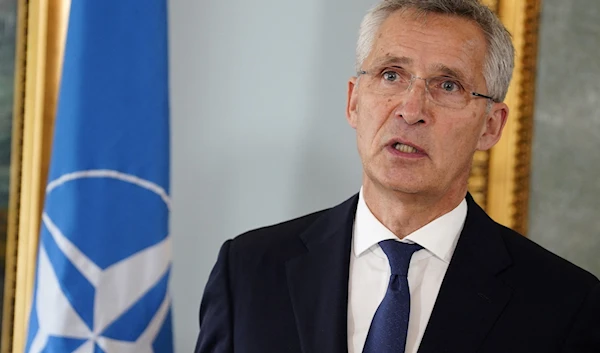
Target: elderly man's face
[{"x": 443, "y": 137}]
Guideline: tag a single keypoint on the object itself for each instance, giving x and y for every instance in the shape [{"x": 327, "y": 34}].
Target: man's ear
[
  {"x": 351, "y": 106},
  {"x": 494, "y": 124}
]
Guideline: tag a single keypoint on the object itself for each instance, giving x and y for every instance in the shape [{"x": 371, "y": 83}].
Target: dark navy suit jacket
[{"x": 284, "y": 289}]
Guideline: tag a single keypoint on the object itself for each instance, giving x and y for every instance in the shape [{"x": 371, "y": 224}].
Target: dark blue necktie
[{"x": 389, "y": 327}]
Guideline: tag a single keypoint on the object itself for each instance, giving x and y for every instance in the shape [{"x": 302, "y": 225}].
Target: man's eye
[
  {"x": 390, "y": 76},
  {"x": 450, "y": 86}
]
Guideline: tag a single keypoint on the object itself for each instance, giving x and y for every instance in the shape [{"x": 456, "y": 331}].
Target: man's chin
[
  {"x": 408, "y": 187},
  {"x": 398, "y": 181}
]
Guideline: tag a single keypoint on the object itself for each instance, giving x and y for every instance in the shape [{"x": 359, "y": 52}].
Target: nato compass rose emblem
[{"x": 103, "y": 266}]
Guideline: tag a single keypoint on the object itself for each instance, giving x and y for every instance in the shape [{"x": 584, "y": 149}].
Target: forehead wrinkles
[{"x": 431, "y": 42}]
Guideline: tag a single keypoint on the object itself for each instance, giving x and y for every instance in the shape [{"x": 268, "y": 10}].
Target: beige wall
[{"x": 565, "y": 181}]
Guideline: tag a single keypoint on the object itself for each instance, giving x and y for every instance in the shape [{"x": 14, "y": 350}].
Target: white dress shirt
[{"x": 370, "y": 271}]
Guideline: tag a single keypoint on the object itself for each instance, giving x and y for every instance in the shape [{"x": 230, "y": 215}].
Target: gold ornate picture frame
[
  {"x": 499, "y": 179},
  {"x": 39, "y": 45},
  {"x": 498, "y": 182},
  {"x": 12, "y": 224}
]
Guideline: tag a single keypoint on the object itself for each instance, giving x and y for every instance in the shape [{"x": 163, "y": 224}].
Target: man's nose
[{"x": 412, "y": 103}]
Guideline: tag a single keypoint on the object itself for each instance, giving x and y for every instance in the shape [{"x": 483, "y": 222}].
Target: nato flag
[{"x": 105, "y": 252}]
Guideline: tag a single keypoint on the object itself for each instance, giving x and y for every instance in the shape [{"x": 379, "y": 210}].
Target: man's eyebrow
[
  {"x": 392, "y": 60},
  {"x": 456, "y": 73}
]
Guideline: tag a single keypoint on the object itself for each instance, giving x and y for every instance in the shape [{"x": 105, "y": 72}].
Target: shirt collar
[{"x": 439, "y": 236}]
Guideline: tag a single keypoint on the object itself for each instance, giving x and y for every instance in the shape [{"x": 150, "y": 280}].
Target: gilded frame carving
[
  {"x": 499, "y": 178},
  {"x": 498, "y": 182},
  {"x": 15, "y": 178},
  {"x": 40, "y": 43}
]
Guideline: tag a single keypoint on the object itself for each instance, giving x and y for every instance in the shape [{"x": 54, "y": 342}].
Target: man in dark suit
[{"x": 412, "y": 263}]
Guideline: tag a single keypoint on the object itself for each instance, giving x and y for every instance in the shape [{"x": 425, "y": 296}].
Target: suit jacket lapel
[
  {"x": 318, "y": 281},
  {"x": 471, "y": 297}
]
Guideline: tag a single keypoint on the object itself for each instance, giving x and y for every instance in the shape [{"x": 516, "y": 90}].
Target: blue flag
[{"x": 105, "y": 253}]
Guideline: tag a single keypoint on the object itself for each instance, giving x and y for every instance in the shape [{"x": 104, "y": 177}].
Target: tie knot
[{"x": 399, "y": 255}]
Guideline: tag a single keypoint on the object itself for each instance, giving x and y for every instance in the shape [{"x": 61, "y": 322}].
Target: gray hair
[{"x": 499, "y": 62}]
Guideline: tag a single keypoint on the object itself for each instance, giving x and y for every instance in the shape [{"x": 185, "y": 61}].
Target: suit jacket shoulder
[
  {"x": 508, "y": 294},
  {"x": 275, "y": 237},
  {"x": 540, "y": 265},
  {"x": 271, "y": 285}
]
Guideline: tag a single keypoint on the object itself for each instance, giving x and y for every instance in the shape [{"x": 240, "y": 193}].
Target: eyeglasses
[{"x": 445, "y": 91}]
